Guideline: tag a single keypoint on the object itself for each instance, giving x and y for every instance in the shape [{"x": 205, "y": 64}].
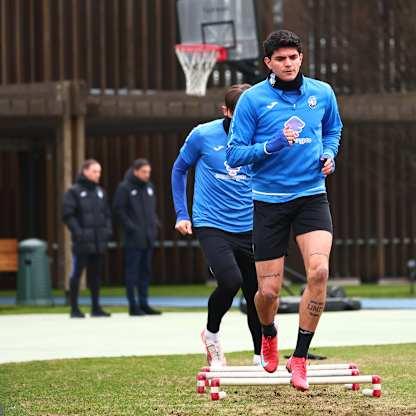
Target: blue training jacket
[
  {"x": 222, "y": 195},
  {"x": 295, "y": 171}
]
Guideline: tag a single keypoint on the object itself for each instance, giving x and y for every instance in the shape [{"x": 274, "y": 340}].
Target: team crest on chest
[
  {"x": 150, "y": 191},
  {"x": 312, "y": 102}
]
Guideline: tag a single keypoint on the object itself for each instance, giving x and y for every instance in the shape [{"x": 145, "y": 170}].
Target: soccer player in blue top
[
  {"x": 288, "y": 129},
  {"x": 222, "y": 218}
]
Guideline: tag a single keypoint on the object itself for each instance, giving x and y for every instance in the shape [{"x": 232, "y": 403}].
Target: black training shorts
[{"x": 274, "y": 221}]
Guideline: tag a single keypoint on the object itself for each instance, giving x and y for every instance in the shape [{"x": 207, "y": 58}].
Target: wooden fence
[{"x": 122, "y": 46}]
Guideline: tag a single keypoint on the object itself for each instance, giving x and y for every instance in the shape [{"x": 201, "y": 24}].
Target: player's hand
[
  {"x": 291, "y": 135},
  {"x": 184, "y": 227},
  {"x": 283, "y": 139},
  {"x": 328, "y": 165}
]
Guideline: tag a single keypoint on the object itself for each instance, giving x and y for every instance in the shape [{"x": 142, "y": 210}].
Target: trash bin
[{"x": 33, "y": 277}]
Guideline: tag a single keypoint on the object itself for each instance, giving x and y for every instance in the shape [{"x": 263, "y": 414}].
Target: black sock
[
  {"x": 269, "y": 330},
  {"x": 302, "y": 345}
]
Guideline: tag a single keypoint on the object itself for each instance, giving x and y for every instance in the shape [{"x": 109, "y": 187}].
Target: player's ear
[
  {"x": 224, "y": 110},
  {"x": 301, "y": 57},
  {"x": 267, "y": 62}
]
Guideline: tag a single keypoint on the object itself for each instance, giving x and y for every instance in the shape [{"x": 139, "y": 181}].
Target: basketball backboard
[{"x": 230, "y": 23}]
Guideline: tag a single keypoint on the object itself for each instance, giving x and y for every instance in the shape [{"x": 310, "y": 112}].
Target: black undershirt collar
[{"x": 293, "y": 85}]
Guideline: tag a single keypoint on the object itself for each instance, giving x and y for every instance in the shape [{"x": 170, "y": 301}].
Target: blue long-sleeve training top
[
  {"x": 222, "y": 195},
  {"x": 295, "y": 171}
]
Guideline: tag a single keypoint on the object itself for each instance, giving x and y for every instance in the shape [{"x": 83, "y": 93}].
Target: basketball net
[{"x": 198, "y": 61}]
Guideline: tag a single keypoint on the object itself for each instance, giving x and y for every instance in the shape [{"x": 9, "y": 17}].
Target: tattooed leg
[
  {"x": 270, "y": 277},
  {"x": 314, "y": 296}
]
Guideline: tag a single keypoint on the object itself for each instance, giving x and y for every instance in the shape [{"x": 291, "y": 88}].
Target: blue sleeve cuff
[
  {"x": 260, "y": 151},
  {"x": 329, "y": 154}
]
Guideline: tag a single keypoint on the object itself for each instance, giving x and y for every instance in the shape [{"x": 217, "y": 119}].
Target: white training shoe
[
  {"x": 257, "y": 360},
  {"x": 215, "y": 355}
]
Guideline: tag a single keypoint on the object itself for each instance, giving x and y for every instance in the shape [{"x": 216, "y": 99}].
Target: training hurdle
[
  {"x": 277, "y": 374},
  {"x": 346, "y": 374},
  {"x": 375, "y": 381}
]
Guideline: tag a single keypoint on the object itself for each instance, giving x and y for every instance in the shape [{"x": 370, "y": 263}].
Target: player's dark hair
[
  {"x": 88, "y": 163},
  {"x": 281, "y": 39},
  {"x": 139, "y": 163},
  {"x": 233, "y": 94}
]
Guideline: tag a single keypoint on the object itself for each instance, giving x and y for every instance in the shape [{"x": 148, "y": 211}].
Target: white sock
[
  {"x": 211, "y": 336},
  {"x": 256, "y": 359}
]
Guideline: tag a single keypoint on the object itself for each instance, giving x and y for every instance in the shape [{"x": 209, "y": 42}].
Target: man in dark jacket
[
  {"x": 135, "y": 207},
  {"x": 86, "y": 212}
]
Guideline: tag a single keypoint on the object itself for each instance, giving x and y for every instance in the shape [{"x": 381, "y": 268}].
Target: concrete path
[{"x": 54, "y": 336}]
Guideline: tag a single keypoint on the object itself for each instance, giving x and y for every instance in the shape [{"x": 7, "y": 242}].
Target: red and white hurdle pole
[
  {"x": 375, "y": 380},
  {"x": 203, "y": 379},
  {"x": 258, "y": 368}
]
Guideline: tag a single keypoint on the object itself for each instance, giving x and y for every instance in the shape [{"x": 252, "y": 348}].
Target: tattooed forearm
[{"x": 315, "y": 308}]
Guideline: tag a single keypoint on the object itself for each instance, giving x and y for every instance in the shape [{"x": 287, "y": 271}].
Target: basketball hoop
[{"x": 198, "y": 61}]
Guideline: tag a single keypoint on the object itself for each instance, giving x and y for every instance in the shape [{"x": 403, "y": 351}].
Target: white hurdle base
[{"x": 374, "y": 380}]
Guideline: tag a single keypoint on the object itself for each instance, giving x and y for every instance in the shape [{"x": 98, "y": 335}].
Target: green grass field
[{"x": 165, "y": 386}]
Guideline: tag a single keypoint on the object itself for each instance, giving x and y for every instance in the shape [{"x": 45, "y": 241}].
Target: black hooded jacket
[
  {"x": 134, "y": 206},
  {"x": 86, "y": 212}
]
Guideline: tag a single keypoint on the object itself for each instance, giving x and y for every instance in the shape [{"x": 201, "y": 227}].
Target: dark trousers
[
  {"x": 94, "y": 264},
  {"x": 230, "y": 258},
  {"x": 138, "y": 270}
]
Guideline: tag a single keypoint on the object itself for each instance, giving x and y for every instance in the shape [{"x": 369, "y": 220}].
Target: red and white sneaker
[
  {"x": 297, "y": 366},
  {"x": 215, "y": 355},
  {"x": 269, "y": 353}
]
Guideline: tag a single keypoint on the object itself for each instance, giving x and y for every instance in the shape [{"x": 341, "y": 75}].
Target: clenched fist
[{"x": 184, "y": 227}]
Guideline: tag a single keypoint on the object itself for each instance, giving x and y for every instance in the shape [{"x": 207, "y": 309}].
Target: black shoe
[
  {"x": 100, "y": 313},
  {"x": 76, "y": 313},
  {"x": 150, "y": 311},
  {"x": 136, "y": 311}
]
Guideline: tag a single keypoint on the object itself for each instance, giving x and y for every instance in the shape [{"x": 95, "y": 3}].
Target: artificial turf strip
[{"x": 165, "y": 385}]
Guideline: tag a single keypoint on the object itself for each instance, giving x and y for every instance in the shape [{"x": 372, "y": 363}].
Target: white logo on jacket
[
  {"x": 232, "y": 171},
  {"x": 83, "y": 194},
  {"x": 218, "y": 148},
  {"x": 134, "y": 192},
  {"x": 150, "y": 191},
  {"x": 272, "y": 105},
  {"x": 100, "y": 194},
  {"x": 312, "y": 101}
]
